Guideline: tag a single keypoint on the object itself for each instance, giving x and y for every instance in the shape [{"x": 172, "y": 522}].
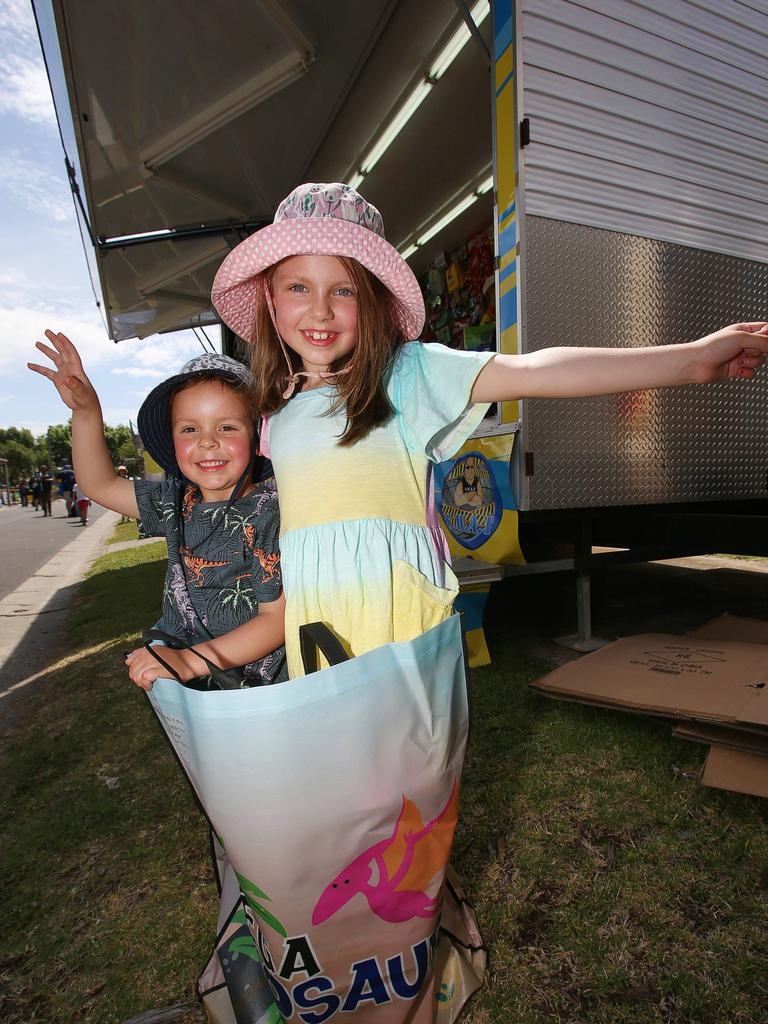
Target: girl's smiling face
[
  {"x": 212, "y": 437},
  {"x": 316, "y": 309}
]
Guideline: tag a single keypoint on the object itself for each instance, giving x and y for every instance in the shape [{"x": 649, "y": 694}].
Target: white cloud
[
  {"x": 16, "y": 17},
  {"x": 35, "y": 187},
  {"x": 22, "y": 326},
  {"x": 24, "y": 88},
  {"x": 114, "y": 414},
  {"x": 138, "y": 371},
  {"x": 162, "y": 354}
]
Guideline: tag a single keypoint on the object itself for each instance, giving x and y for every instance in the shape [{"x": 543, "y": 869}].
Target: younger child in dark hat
[{"x": 223, "y": 585}]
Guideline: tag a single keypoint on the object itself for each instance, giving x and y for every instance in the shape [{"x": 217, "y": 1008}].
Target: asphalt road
[{"x": 28, "y": 540}]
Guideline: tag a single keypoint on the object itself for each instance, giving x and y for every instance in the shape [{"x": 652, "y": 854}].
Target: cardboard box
[
  {"x": 733, "y": 627},
  {"x": 722, "y": 736},
  {"x": 723, "y": 682},
  {"x": 736, "y": 770}
]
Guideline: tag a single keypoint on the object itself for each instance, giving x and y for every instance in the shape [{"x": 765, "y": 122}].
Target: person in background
[
  {"x": 37, "y": 489},
  {"x": 67, "y": 482},
  {"x": 122, "y": 471},
  {"x": 82, "y": 503},
  {"x": 46, "y": 488},
  {"x": 23, "y": 493}
]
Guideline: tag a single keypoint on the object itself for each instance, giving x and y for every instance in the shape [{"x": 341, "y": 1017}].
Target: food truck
[{"x": 558, "y": 172}]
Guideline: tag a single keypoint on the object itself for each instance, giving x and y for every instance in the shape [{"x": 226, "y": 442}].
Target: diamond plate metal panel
[{"x": 586, "y": 286}]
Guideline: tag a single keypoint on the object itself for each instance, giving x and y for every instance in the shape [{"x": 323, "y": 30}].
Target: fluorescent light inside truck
[
  {"x": 391, "y": 132},
  {"x": 452, "y": 214},
  {"x": 458, "y": 40},
  {"x": 417, "y": 96}
]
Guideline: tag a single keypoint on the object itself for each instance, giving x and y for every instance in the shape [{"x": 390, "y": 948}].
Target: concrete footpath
[{"x": 33, "y": 617}]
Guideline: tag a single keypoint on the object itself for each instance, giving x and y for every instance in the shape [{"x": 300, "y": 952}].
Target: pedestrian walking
[
  {"x": 82, "y": 502},
  {"x": 122, "y": 471},
  {"x": 46, "y": 489}
]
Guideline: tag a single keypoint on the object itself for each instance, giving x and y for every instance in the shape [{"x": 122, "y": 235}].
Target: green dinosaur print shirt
[{"x": 223, "y": 562}]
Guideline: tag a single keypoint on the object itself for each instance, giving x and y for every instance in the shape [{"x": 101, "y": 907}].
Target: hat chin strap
[{"x": 292, "y": 378}]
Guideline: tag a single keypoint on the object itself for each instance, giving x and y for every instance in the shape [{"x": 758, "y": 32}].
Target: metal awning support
[
  {"x": 168, "y": 320},
  {"x": 183, "y": 298},
  {"x": 171, "y": 270},
  {"x": 226, "y": 108},
  {"x": 188, "y": 186}
]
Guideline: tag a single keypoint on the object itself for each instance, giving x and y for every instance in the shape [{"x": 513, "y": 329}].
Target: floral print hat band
[{"x": 315, "y": 220}]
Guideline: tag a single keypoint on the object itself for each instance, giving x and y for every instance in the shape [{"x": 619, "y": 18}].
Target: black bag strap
[
  {"x": 225, "y": 679},
  {"x": 314, "y": 637}
]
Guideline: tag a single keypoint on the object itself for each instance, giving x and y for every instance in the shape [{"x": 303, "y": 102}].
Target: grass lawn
[
  {"x": 610, "y": 886},
  {"x": 125, "y": 531}
]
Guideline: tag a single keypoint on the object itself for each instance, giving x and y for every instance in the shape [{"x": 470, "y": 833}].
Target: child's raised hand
[
  {"x": 735, "y": 351},
  {"x": 68, "y": 377}
]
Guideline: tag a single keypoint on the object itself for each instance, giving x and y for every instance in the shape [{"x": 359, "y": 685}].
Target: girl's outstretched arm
[
  {"x": 91, "y": 462},
  {"x": 735, "y": 351}
]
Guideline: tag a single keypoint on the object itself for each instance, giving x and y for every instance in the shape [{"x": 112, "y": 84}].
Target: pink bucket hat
[{"x": 316, "y": 220}]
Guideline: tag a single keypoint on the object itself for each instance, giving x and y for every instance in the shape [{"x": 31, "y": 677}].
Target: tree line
[{"x": 25, "y": 452}]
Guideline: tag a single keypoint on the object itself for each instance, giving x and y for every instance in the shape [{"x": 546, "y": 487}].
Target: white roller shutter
[{"x": 650, "y": 117}]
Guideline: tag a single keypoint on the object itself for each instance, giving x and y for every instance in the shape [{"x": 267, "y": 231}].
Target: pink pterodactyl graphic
[{"x": 393, "y": 874}]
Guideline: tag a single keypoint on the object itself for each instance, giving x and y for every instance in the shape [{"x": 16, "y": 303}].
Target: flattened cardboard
[
  {"x": 737, "y": 771},
  {"x": 722, "y": 736},
  {"x": 681, "y": 677},
  {"x": 733, "y": 627}
]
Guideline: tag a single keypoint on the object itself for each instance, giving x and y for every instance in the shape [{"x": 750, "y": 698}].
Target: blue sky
[{"x": 43, "y": 274}]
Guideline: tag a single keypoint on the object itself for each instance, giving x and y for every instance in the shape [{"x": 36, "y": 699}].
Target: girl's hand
[
  {"x": 144, "y": 669},
  {"x": 69, "y": 377},
  {"x": 735, "y": 351}
]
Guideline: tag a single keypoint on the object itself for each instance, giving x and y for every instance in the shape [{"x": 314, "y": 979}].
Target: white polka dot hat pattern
[{"x": 316, "y": 220}]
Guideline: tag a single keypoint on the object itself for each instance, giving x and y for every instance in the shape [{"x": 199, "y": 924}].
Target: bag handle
[
  {"x": 225, "y": 679},
  {"x": 314, "y": 637}
]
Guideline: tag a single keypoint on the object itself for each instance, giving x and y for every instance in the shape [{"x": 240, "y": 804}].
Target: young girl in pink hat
[{"x": 356, "y": 413}]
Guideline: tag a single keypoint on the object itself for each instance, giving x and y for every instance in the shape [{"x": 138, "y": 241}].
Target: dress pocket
[{"x": 417, "y": 603}]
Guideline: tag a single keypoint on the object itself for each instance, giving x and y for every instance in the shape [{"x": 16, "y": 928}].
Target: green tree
[
  {"x": 120, "y": 443},
  {"x": 41, "y": 451},
  {"x": 54, "y": 448},
  {"x": 19, "y": 447},
  {"x": 59, "y": 443},
  {"x": 21, "y": 460},
  {"x": 22, "y": 435}
]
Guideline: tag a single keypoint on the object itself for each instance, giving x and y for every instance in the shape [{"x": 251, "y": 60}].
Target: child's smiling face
[
  {"x": 212, "y": 437},
  {"x": 316, "y": 309}
]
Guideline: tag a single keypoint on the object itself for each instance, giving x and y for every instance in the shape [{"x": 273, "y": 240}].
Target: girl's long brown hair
[{"x": 362, "y": 393}]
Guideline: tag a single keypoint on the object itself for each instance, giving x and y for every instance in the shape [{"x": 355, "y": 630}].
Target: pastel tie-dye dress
[{"x": 361, "y": 549}]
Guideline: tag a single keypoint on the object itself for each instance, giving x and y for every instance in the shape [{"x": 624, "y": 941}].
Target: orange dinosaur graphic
[
  {"x": 195, "y": 565},
  {"x": 188, "y": 503},
  {"x": 250, "y": 535},
  {"x": 394, "y": 873},
  {"x": 269, "y": 563}
]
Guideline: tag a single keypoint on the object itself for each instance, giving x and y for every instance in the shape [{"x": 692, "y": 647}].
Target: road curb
[{"x": 42, "y": 595}]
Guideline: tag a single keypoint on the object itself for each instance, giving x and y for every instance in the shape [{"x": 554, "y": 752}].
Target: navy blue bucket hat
[{"x": 154, "y": 419}]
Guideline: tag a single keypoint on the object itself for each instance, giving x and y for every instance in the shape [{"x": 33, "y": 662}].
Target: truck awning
[{"x": 187, "y": 123}]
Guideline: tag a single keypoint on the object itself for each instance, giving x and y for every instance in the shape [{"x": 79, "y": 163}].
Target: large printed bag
[{"x": 333, "y": 800}]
